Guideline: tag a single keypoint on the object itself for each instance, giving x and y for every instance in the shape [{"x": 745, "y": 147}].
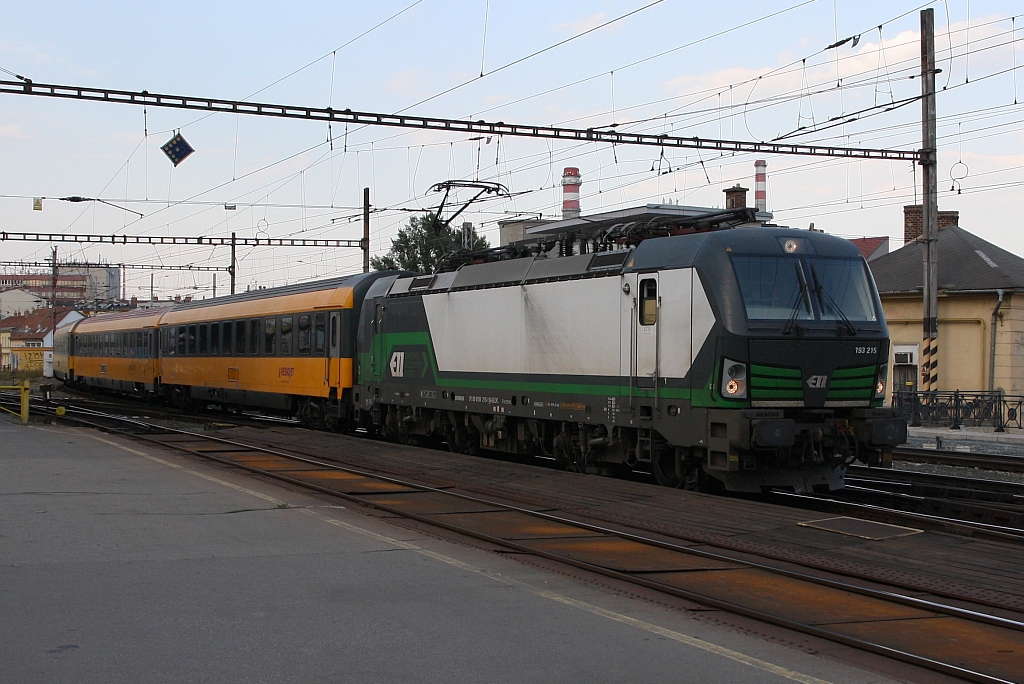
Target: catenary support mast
[{"x": 930, "y": 213}]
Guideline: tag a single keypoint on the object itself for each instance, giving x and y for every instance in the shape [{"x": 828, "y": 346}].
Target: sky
[{"x": 731, "y": 69}]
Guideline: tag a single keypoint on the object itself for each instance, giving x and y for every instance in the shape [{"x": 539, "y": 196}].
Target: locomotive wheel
[{"x": 663, "y": 465}]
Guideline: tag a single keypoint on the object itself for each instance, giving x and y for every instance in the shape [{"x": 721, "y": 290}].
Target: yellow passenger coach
[{"x": 288, "y": 349}]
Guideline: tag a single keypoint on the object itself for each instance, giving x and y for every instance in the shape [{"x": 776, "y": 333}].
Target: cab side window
[{"x": 648, "y": 301}]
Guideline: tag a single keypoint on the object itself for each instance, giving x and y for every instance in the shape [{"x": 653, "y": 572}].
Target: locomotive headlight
[
  {"x": 790, "y": 246},
  {"x": 734, "y": 379},
  {"x": 883, "y": 374}
]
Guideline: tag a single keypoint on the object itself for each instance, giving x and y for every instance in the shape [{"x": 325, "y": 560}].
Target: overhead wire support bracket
[
  {"x": 165, "y": 240},
  {"x": 348, "y": 116}
]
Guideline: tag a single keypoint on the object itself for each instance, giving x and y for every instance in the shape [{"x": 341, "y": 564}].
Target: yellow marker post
[
  {"x": 24, "y": 390},
  {"x": 24, "y": 403}
]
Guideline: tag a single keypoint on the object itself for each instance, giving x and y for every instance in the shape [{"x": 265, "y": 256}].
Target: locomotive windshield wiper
[
  {"x": 825, "y": 298},
  {"x": 801, "y": 303}
]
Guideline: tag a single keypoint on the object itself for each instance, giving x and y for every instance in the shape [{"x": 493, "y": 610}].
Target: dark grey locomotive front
[{"x": 795, "y": 368}]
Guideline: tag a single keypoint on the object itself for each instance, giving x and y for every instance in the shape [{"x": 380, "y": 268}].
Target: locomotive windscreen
[{"x": 804, "y": 288}]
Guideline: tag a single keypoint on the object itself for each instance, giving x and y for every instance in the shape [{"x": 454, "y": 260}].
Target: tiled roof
[
  {"x": 868, "y": 245},
  {"x": 34, "y": 325},
  {"x": 966, "y": 262}
]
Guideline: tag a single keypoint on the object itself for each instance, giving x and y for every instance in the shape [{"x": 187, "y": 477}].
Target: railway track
[
  {"x": 971, "y": 508},
  {"x": 970, "y": 644},
  {"x": 1012, "y": 464}
]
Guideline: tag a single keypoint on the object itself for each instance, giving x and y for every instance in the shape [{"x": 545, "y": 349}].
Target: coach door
[{"x": 334, "y": 350}]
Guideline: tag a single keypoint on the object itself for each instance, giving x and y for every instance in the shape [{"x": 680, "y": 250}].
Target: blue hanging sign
[{"x": 177, "y": 149}]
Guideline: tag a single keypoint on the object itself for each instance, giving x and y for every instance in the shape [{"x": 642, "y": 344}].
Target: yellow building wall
[
  {"x": 29, "y": 358},
  {"x": 964, "y": 339}
]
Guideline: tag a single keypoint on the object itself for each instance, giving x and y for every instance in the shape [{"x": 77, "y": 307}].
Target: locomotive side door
[{"x": 647, "y": 304}]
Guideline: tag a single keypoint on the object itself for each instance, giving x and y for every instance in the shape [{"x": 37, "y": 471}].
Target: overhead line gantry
[{"x": 328, "y": 114}]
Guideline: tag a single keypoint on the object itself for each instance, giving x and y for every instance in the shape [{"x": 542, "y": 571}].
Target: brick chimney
[
  {"x": 735, "y": 197},
  {"x": 913, "y": 221}
]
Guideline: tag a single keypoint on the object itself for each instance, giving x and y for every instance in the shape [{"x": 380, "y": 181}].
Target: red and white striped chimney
[
  {"x": 571, "y": 181},
  {"x": 760, "y": 182}
]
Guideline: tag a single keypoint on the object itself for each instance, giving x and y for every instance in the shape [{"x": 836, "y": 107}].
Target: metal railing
[
  {"x": 957, "y": 409},
  {"x": 23, "y": 388}
]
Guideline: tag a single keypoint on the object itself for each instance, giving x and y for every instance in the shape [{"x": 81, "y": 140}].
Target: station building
[{"x": 981, "y": 309}]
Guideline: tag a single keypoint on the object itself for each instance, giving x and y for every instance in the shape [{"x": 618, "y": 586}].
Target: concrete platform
[{"x": 123, "y": 563}]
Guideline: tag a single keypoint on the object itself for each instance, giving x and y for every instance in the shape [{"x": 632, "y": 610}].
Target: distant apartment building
[
  {"x": 15, "y": 301},
  {"x": 74, "y": 284}
]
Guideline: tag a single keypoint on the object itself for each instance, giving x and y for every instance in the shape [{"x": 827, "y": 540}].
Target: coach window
[
  {"x": 145, "y": 344},
  {"x": 182, "y": 339},
  {"x": 305, "y": 333},
  {"x": 203, "y": 336},
  {"x": 334, "y": 332},
  {"x": 270, "y": 336},
  {"x": 286, "y": 335},
  {"x": 239, "y": 338},
  {"x": 129, "y": 344},
  {"x": 648, "y": 301},
  {"x": 193, "y": 334},
  {"x": 254, "y": 335},
  {"x": 214, "y": 339},
  {"x": 320, "y": 336}
]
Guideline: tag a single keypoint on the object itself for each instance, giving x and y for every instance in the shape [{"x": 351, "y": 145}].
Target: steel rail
[
  {"x": 729, "y": 606},
  {"x": 974, "y": 528},
  {"x": 1014, "y": 464},
  {"x": 328, "y": 114}
]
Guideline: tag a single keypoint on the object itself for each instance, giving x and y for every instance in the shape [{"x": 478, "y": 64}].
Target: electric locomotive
[{"x": 747, "y": 359}]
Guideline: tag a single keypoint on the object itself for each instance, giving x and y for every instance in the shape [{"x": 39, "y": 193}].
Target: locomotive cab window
[
  {"x": 305, "y": 333},
  {"x": 286, "y": 335},
  {"x": 648, "y": 301},
  {"x": 804, "y": 288},
  {"x": 270, "y": 336}
]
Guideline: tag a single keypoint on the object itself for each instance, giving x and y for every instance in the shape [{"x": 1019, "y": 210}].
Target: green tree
[{"x": 417, "y": 248}]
